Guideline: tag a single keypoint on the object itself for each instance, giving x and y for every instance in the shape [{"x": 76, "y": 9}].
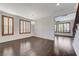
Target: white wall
[
  {"x": 44, "y": 28},
  {"x": 76, "y": 41},
  {"x": 16, "y": 29}
]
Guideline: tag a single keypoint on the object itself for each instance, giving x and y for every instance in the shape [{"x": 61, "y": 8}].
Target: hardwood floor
[
  {"x": 63, "y": 46},
  {"x": 32, "y": 46}
]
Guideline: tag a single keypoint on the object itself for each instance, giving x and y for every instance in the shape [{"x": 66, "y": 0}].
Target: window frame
[
  {"x": 23, "y": 26},
  {"x": 3, "y": 34},
  {"x": 57, "y": 27}
]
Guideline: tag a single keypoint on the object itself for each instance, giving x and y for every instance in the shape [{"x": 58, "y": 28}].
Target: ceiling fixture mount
[{"x": 58, "y": 4}]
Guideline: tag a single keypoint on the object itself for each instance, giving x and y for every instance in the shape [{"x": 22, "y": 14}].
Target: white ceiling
[
  {"x": 37, "y": 10},
  {"x": 66, "y": 17}
]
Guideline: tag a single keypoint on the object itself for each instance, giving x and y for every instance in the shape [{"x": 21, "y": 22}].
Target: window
[
  {"x": 67, "y": 27},
  {"x": 55, "y": 28},
  {"x": 62, "y": 27},
  {"x": 25, "y": 26},
  {"x": 7, "y": 25}
]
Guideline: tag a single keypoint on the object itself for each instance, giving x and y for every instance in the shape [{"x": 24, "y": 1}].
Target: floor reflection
[
  {"x": 63, "y": 45},
  {"x": 25, "y": 49},
  {"x": 8, "y": 51},
  {"x": 35, "y": 46}
]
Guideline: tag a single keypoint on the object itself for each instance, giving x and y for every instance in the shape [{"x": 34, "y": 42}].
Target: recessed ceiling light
[{"x": 58, "y": 4}]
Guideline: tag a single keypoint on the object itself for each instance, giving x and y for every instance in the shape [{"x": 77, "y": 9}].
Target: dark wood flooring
[{"x": 32, "y": 46}]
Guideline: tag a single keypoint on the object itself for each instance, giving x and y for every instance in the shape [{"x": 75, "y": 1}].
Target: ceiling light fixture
[{"x": 58, "y": 4}]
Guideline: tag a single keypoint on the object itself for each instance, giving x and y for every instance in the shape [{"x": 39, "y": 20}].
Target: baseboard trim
[
  {"x": 15, "y": 39},
  {"x": 42, "y": 37}
]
